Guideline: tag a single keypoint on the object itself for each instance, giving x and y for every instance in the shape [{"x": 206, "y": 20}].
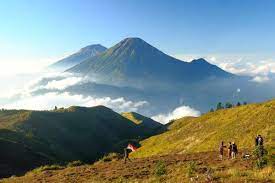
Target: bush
[
  {"x": 160, "y": 168},
  {"x": 191, "y": 168},
  {"x": 260, "y": 153},
  {"x": 110, "y": 157},
  {"x": 75, "y": 163},
  {"x": 48, "y": 167},
  {"x": 261, "y": 162}
]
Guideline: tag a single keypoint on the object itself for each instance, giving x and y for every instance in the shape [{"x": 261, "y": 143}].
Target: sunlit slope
[{"x": 239, "y": 124}]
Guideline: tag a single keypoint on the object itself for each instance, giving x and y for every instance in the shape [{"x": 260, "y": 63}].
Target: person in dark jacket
[
  {"x": 229, "y": 150},
  {"x": 256, "y": 140},
  {"x": 234, "y": 150},
  {"x": 260, "y": 140},
  {"x": 221, "y": 150}
]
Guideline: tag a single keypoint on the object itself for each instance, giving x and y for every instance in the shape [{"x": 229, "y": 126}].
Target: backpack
[
  {"x": 260, "y": 141},
  {"x": 234, "y": 148}
]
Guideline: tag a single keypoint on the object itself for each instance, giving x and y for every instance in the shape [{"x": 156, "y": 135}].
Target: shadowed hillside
[{"x": 32, "y": 138}]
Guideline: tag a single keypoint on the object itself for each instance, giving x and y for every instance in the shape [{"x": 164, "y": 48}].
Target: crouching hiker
[
  {"x": 126, "y": 155},
  {"x": 130, "y": 147},
  {"x": 234, "y": 150},
  {"x": 221, "y": 150}
]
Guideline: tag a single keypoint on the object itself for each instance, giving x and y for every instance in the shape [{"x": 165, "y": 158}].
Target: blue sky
[
  {"x": 237, "y": 35},
  {"x": 186, "y": 26}
]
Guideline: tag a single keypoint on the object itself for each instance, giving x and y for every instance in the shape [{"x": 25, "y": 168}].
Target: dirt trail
[{"x": 139, "y": 169}]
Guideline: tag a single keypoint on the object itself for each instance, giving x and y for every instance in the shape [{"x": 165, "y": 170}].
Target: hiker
[
  {"x": 260, "y": 140},
  {"x": 126, "y": 155},
  {"x": 126, "y": 152},
  {"x": 234, "y": 150},
  {"x": 256, "y": 140},
  {"x": 229, "y": 150},
  {"x": 221, "y": 150}
]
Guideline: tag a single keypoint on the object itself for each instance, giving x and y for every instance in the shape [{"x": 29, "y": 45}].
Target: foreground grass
[{"x": 196, "y": 167}]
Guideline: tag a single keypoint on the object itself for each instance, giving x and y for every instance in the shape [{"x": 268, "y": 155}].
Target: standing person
[
  {"x": 261, "y": 145},
  {"x": 256, "y": 140},
  {"x": 221, "y": 150},
  {"x": 260, "y": 140},
  {"x": 126, "y": 155},
  {"x": 229, "y": 150},
  {"x": 234, "y": 150}
]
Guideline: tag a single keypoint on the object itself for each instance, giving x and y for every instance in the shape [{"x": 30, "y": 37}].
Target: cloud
[
  {"x": 260, "y": 79},
  {"x": 177, "y": 113},
  {"x": 49, "y": 100},
  {"x": 258, "y": 67},
  {"x": 63, "y": 83}
]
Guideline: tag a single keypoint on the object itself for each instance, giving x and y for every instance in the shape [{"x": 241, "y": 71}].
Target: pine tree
[
  {"x": 219, "y": 106},
  {"x": 228, "y": 105}
]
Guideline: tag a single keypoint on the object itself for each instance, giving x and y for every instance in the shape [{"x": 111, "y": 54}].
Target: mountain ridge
[
  {"x": 76, "y": 58},
  {"x": 134, "y": 60}
]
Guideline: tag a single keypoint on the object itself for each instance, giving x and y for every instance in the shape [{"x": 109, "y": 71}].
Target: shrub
[
  {"x": 191, "y": 168},
  {"x": 260, "y": 153},
  {"x": 160, "y": 168},
  {"x": 75, "y": 163},
  {"x": 261, "y": 162},
  {"x": 48, "y": 167},
  {"x": 110, "y": 157}
]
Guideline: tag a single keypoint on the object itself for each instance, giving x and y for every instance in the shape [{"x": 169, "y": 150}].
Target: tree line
[{"x": 227, "y": 105}]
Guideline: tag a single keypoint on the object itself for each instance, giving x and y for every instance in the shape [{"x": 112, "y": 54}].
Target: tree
[
  {"x": 228, "y": 105},
  {"x": 238, "y": 104},
  {"x": 244, "y": 103},
  {"x": 219, "y": 106},
  {"x": 211, "y": 110},
  {"x": 55, "y": 108}
]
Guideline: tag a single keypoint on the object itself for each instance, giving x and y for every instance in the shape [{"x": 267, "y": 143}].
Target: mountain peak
[
  {"x": 200, "y": 61},
  {"x": 132, "y": 42},
  {"x": 93, "y": 47}
]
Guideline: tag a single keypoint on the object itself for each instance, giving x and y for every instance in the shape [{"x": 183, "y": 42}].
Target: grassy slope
[
  {"x": 31, "y": 138},
  {"x": 185, "y": 135},
  {"x": 239, "y": 124}
]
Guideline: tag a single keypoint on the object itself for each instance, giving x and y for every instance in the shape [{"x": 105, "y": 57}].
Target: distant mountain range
[
  {"x": 135, "y": 62},
  {"x": 78, "y": 57},
  {"x": 137, "y": 71}
]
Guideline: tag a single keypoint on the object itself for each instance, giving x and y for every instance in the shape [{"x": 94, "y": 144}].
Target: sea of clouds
[{"x": 23, "y": 96}]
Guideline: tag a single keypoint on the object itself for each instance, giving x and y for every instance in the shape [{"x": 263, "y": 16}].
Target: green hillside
[
  {"x": 239, "y": 124},
  {"x": 148, "y": 125},
  {"x": 32, "y": 138}
]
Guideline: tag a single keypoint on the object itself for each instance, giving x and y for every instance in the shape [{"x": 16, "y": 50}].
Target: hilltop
[
  {"x": 187, "y": 152},
  {"x": 29, "y": 139}
]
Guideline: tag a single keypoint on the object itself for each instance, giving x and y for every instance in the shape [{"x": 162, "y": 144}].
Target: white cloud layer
[
  {"x": 177, "y": 113},
  {"x": 260, "y": 68},
  {"x": 49, "y": 100}
]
